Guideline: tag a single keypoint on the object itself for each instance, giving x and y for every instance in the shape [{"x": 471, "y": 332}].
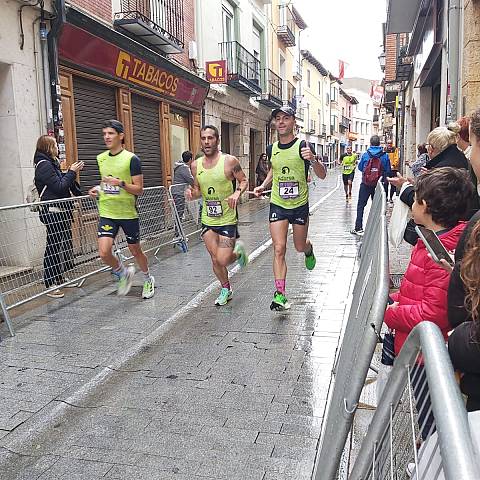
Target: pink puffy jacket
[{"x": 423, "y": 291}]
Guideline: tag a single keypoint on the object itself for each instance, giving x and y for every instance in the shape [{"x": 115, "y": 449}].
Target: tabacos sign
[{"x": 142, "y": 73}]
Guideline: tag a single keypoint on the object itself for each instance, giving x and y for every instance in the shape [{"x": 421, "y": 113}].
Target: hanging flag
[{"x": 341, "y": 69}]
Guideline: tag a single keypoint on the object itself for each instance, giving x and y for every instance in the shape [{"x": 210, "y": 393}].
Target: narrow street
[{"x": 96, "y": 386}]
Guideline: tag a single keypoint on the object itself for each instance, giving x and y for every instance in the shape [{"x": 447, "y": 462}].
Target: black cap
[
  {"x": 115, "y": 124},
  {"x": 286, "y": 110}
]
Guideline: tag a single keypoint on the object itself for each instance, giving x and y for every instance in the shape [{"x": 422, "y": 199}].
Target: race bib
[
  {"x": 288, "y": 189},
  {"x": 214, "y": 208},
  {"x": 110, "y": 189},
  {"x": 347, "y": 168}
]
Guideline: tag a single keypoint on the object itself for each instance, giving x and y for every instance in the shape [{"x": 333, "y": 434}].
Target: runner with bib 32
[
  {"x": 290, "y": 158},
  {"x": 214, "y": 177}
]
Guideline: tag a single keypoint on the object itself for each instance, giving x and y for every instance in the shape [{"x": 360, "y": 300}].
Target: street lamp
[{"x": 381, "y": 60}]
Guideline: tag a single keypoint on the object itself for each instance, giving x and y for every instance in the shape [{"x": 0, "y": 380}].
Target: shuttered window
[
  {"x": 146, "y": 138},
  {"x": 94, "y": 103}
]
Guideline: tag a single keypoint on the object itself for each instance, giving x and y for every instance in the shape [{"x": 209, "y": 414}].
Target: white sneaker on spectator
[
  {"x": 57, "y": 293},
  {"x": 410, "y": 470}
]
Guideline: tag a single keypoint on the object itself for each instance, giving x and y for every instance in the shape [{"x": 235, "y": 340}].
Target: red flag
[{"x": 341, "y": 69}]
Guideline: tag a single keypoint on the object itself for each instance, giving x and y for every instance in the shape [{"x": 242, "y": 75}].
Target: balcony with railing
[
  {"x": 242, "y": 67},
  {"x": 272, "y": 87},
  {"x": 323, "y": 131},
  {"x": 289, "y": 92},
  {"x": 404, "y": 64},
  {"x": 311, "y": 127},
  {"x": 286, "y": 29},
  {"x": 344, "y": 123},
  {"x": 159, "y": 24},
  {"x": 297, "y": 70}
]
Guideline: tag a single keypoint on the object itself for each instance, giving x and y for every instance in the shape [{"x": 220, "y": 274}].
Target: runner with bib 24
[{"x": 290, "y": 158}]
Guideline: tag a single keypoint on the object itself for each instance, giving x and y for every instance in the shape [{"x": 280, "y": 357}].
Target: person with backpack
[
  {"x": 52, "y": 184},
  {"x": 375, "y": 166}
]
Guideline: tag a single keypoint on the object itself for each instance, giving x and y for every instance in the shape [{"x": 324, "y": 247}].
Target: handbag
[
  {"x": 388, "y": 348},
  {"x": 398, "y": 221},
  {"x": 410, "y": 235}
]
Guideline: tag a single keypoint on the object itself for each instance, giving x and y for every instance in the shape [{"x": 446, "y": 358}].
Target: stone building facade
[{"x": 471, "y": 56}]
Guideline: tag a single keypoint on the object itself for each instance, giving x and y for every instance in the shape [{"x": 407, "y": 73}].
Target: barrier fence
[
  {"x": 56, "y": 246},
  {"x": 189, "y": 212},
  {"x": 369, "y": 298},
  {"x": 420, "y": 428}
]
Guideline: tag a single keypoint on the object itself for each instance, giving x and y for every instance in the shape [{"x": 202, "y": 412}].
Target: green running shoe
[
  {"x": 148, "y": 288},
  {"x": 225, "y": 296},
  {"x": 310, "y": 260},
  {"x": 279, "y": 302},
  {"x": 242, "y": 254}
]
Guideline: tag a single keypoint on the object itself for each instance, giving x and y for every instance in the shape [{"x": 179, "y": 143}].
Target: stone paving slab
[{"x": 225, "y": 393}]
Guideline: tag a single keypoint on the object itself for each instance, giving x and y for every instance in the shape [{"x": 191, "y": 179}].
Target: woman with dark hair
[
  {"x": 464, "y": 293},
  {"x": 420, "y": 161},
  {"x": 262, "y": 169},
  {"x": 53, "y": 184}
]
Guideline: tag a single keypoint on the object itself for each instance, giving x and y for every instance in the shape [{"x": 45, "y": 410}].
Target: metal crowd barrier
[
  {"x": 420, "y": 428},
  {"x": 56, "y": 246},
  {"x": 189, "y": 212},
  {"x": 370, "y": 294}
]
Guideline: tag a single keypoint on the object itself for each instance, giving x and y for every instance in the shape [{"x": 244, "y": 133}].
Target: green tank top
[
  {"x": 215, "y": 188},
  {"x": 289, "y": 185},
  {"x": 114, "y": 202},
  {"x": 348, "y": 164}
]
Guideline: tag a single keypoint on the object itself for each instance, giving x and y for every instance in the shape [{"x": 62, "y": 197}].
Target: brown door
[{"x": 225, "y": 137}]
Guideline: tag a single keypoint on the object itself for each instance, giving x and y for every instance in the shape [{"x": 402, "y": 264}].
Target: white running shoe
[{"x": 125, "y": 281}]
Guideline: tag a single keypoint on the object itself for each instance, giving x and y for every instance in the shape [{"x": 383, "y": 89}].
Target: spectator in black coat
[
  {"x": 53, "y": 184},
  {"x": 464, "y": 294}
]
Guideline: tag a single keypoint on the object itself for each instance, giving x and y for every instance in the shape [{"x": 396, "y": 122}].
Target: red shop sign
[{"x": 82, "y": 48}]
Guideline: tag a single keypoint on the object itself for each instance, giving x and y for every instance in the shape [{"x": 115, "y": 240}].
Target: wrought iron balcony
[
  {"x": 242, "y": 67},
  {"x": 311, "y": 127},
  {"x": 286, "y": 29},
  {"x": 272, "y": 87},
  {"x": 289, "y": 92},
  {"x": 404, "y": 64},
  {"x": 156, "y": 23},
  {"x": 323, "y": 132},
  {"x": 344, "y": 122}
]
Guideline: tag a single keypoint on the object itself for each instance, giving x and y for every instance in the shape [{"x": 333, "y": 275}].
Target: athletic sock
[
  {"x": 120, "y": 270},
  {"x": 280, "y": 285},
  {"x": 226, "y": 285},
  {"x": 146, "y": 275}
]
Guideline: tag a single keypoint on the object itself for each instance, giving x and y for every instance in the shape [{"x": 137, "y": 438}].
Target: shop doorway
[
  {"x": 225, "y": 144},
  {"x": 255, "y": 150},
  {"x": 179, "y": 135}
]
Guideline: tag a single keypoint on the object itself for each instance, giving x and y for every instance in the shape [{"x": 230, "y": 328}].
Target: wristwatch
[{"x": 122, "y": 184}]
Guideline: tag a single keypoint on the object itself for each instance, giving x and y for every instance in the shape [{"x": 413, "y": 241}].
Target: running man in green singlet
[
  {"x": 122, "y": 183},
  {"x": 348, "y": 161},
  {"x": 290, "y": 158},
  {"x": 215, "y": 175}
]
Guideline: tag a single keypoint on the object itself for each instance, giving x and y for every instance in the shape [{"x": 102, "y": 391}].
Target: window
[
  {"x": 320, "y": 88},
  {"x": 327, "y": 99},
  {"x": 227, "y": 22},
  {"x": 367, "y": 108},
  {"x": 356, "y": 107},
  {"x": 307, "y": 115},
  {"x": 257, "y": 42},
  {"x": 308, "y": 78},
  {"x": 357, "y": 127},
  {"x": 350, "y": 111}
]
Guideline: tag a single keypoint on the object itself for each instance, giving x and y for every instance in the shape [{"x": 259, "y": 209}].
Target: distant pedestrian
[
  {"x": 375, "y": 166},
  {"x": 421, "y": 160},
  {"x": 393, "y": 156},
  {"x": 53, "y": 184},
  {"x": 262, "y": 169},
  {"x": 182, "y": 178}
]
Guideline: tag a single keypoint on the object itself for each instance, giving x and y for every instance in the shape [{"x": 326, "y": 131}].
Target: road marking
[{"x": 41, "y": 422}]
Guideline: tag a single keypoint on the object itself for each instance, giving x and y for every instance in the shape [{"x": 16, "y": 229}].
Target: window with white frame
[{"x": 228, "y": 26}]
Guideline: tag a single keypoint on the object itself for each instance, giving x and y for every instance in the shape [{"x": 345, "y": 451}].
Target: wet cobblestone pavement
[{"x": 97, "y": 386}]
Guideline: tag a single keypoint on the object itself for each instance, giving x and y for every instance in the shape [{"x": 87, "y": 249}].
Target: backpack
[
  {"x": 373, "y": 171},
  {"x": 32, "y": 193}
]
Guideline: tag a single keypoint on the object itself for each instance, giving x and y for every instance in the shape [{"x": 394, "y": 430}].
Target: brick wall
[
  {"x": 98, "y": 8},
  {"x": 390, "y": 57},
  {"x": 189, "y": 33}
]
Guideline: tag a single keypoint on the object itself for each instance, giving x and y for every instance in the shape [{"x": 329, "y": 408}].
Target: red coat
[{"x": 423, "y": 291}]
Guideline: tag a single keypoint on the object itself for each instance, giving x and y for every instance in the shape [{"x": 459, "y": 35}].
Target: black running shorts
[
  {"x": 348, "y": 177},
  {"x": 108, "y": 227},
  {"x": 295, "y": 216},
  {"x": 229, "y": 231}
]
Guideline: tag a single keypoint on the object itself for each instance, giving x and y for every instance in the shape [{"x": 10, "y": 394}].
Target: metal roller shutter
[
  {"x": 146, "y": 138},
  {"x": 94, "y": 103}
]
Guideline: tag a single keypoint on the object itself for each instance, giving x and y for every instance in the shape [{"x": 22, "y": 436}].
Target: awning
[{"x": 401, "y": 15}]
